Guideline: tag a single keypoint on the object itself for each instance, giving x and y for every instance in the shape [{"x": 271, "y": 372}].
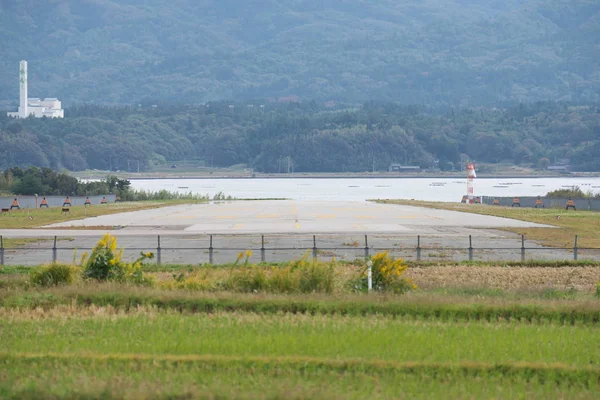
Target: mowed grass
[
  {"x": 585, "y": 224},
  {"x": 82, "y": 377},
  {"x": 146, "y": 353},
  {"x": 328, "y": 337},
  {"x": 102, "y": 341},
  {"x": 38, "y": 217}
]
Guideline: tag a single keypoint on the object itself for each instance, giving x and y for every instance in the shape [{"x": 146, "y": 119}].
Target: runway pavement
[{"x": 293, "y": 217}]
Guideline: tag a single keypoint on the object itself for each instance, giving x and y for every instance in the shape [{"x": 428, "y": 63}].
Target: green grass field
[
  {"x": 470, "y": 330},
  {"x": 91, "y": 351},
  {"x": 47, "y": 377},
  {"x": 150, "y": 332}
]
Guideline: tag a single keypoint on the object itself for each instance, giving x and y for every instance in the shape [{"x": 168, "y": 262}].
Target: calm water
[{"x": 451, "y": 189}]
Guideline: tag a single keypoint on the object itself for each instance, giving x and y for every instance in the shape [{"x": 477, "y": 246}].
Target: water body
[{"x": 428, "y": 189}]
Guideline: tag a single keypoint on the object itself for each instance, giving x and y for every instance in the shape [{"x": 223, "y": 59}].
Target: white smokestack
[{"x": 23, "y": 109}]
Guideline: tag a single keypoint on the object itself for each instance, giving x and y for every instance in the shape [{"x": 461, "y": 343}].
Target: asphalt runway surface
[
  {"x": 288, "y": 227},
  {"x": 294, "y": 217}
]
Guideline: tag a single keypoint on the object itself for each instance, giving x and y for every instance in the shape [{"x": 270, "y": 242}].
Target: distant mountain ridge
[{"x": 437, "y": 52}]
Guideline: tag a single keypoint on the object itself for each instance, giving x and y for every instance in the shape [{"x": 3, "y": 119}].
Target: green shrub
[
  {"x": 574, "y": 192},
  {"x": 315, "y": 276},
  {"x": 300, "y": 276},
  {"x": 105, "y": 264},
  {"x": 282, "y": 281},
  {"x": 598, "y": 289},
  {"x": 386, "y": 275},
  {"x": 247, "y": 279},
  {"x": 54, "y": 275}
]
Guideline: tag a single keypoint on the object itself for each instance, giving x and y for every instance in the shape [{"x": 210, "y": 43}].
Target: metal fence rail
[{"x": 312, "y": 248}]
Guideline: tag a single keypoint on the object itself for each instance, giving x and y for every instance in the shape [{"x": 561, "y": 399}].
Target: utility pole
[{"x": 138, "y": 166}]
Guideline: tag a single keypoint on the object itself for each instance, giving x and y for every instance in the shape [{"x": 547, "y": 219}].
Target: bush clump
[
  {"x": 105, "y": 264},
  {"x": 299, "y": 276},
  {"x": 574, "y": 192},
  {"x": 54, "y": 275},
  {"x": 386, "y": 275}
]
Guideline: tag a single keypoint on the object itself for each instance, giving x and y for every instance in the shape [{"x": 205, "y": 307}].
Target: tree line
[
  {"x": 306, "y": 137},
  {"x": 47, "y": 182}
]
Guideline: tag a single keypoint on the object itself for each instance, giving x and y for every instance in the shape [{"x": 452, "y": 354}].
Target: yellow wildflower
[
  {"x": 119, "y": 255},
  {"x": 240, "y": 256},
  {"x": 248, "y": 253}
]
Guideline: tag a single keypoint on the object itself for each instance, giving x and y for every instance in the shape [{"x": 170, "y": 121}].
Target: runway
[{"x": 302, "y": 217}]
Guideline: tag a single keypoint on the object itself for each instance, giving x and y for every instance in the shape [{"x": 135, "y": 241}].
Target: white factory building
[{"x": 38, "y": 108}]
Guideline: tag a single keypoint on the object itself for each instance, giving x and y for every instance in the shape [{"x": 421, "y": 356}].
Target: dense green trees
[
  {"x": 304, "y": 137},
  {"x": 436, "y": 52},
  {"x": 45, "y": 182}
]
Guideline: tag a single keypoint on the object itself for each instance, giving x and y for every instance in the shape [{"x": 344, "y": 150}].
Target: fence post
[
  {"x": 263, "y": 257},
  {"x": 366, "y": 247},
  {"x": 158, "y": 252},
  {"x": 575, "y": 249},
  {"x": 54, "y": 251},
  {"x": 470, "y": 248},
  {"x": 1, "y": 250},
  {"x": 419, "y": 248},
  {"x": 522, "y": 248},
  {"x": 210, "y": 251},
  {"x": 314, "y": 249}
]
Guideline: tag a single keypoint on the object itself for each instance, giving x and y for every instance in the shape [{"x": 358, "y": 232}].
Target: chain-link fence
[{"x": 222, "y": 249}]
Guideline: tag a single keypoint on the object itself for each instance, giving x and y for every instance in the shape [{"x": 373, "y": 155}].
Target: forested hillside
[
  {"x": 436, "y": 52},
  {"x": 313, "y": 137}
]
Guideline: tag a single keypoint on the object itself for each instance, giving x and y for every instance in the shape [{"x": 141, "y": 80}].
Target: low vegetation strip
[
  {"x": 442, "y": 308},
  {"x": 84, "y": 378},
  {"x": 564, "y": 373},
  {"x": 371, "y": 339}
]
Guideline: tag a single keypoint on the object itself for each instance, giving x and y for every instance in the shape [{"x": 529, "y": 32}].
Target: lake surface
[{"x": 429, "y": 189}]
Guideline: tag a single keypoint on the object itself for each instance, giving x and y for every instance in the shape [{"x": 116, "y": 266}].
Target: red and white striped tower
[{"x": 470, "y": 182}]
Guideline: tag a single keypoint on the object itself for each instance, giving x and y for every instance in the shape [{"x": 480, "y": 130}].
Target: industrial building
[{"x": 38, "y": 108}]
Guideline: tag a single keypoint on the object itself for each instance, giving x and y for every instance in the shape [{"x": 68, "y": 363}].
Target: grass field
[
  {"x": 471, "y": 330},
  {"x": 38, "y": 217},
  {"x": 118, "y": 341},
  {"x": 48, "y": 376},
  {"x": 585, "y": 224}
]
